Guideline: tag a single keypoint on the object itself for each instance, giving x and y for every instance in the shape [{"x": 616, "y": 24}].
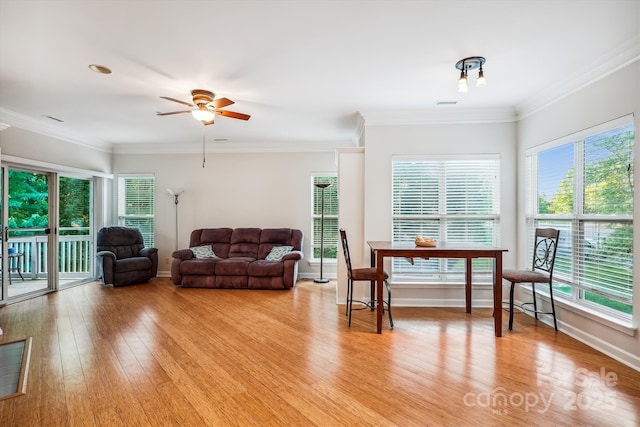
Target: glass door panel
[
  {"x": 3, "y": 260},
  {"x": 75, "y": 260},
  {"x": 28, "y": 233}
]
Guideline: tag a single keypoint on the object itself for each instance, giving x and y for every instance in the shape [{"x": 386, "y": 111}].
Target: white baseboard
[{"x": 622, "y": 356}]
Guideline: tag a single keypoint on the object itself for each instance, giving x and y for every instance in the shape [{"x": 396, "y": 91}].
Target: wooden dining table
[{"x": 382, "y": 249}]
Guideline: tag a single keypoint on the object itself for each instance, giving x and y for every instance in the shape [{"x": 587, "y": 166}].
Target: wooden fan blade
[
  {"x": 221, "y": 102},
  {"x": 178, "y": 101},
  {"x": 174, "y": 112},
  {"x": 233, "y": 114}
]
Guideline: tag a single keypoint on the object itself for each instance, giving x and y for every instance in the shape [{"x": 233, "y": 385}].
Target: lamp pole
[
  {"x": 176, "y": 201},
  {"x": 323, "y": 186},
  {"x": 175, "y": 195}
]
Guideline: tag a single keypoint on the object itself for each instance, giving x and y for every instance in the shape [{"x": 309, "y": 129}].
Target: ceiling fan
[{"x": 205, "y": 107}]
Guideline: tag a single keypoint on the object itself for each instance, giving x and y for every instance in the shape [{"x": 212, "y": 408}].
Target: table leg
[
  {"x": 468, "y": 285},
  {"x": 497, "y": 295},
  {"x": 379, "y": 282}
]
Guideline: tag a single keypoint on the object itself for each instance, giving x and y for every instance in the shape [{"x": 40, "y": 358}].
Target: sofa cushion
[
  {"x": 232, "y": 282},
  {"x": 210, "y": 235},
  {"x": 245, "y": 242},
  {"x": 199, "y": 266},
  {"x": 124, "y": 242},
  {"x": 203, "y": 251},
  {"x": 271, "y": 237},
  {"x": 276, "y": 236},
  {"x": 218, "y": 238},
  {"x": 264, "y": 268},
  {"x": 132, "y": 264},
  {"x": 236, "y": 266},
  {"x": 277, "y": 252},
  {"x": 199, "y": 281}
]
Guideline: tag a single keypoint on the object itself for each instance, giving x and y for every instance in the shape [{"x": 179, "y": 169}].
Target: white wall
[
  {"x": 232, "y": 190},
  {"x": 611, "y": 97},
  {"x": 351, "y": 197},
  {"x": 382, "y": 142},
  {"x": 33, "y": 146},
  {"x": 23, "y": 148}
]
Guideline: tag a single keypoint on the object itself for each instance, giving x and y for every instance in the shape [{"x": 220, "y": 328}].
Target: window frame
[
  {"x": 576, "y": 221},
  {"x": 122, "y": 216},
  {"x": 328, "y": 244},
  {"x": 447, "y": 270}
]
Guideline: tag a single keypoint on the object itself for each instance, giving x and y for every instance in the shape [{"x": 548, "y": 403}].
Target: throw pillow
[
  {"x": 203, "y": 252},
  {"x": 277, "y": 252}
]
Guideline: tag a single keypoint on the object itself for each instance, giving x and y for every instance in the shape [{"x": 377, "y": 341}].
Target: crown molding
[
  {"x": 360, "y": 122},
  {"x": 438, "y": 116},
  {"x": 626, "y": 54},
  {"x": 37, "y": 126},
  {"x": 233, "y": 147},
  {"x": 350, "y": 150}
]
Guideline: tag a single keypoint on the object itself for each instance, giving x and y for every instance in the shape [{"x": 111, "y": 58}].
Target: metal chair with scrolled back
[
  {"x": 362, "y": 274},
  {"x": 544, "y": 257}
]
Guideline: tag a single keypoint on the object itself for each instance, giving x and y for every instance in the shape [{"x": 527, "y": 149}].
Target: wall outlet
[{"x": 166, "y": 260}]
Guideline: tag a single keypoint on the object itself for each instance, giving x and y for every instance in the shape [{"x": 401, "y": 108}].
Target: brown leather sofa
[{"x": 241, "y": 259}]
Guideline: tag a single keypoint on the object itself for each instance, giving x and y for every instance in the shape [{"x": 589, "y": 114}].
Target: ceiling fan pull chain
[{"x": 203, "y": 158}]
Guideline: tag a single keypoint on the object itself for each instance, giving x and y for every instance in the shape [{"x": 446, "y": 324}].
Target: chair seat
[
  {"x": 525, "y": 276},
  {"x": 369, "y": 273},
  {"x": 132, "y": 264}
]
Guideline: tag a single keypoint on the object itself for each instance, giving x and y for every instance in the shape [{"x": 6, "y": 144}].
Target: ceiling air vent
[
  {"x": 54, "y": 118},
  {"x": 447, "y": 102}
]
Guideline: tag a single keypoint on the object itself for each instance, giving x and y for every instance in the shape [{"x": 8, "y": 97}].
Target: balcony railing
[{"x": 74, "y": 256}]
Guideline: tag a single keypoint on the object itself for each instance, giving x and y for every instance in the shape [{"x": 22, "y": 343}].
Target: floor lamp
[
  {"x": 323, "y": 186},
  {"x": 175, "y": 195}
]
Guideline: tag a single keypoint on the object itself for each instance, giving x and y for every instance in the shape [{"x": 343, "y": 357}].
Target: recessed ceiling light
[{"x": 99, "y": 69}]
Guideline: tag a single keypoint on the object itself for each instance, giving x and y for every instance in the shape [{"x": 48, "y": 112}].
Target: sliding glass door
[
  {"x": 3, "y": 246},
  {"x": 47, "y": 232}
]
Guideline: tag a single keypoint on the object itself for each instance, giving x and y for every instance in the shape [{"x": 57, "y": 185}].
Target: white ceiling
[{"x": 304, "y": 70}]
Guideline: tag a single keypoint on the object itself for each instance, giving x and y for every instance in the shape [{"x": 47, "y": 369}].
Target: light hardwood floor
[{"x": 155, "y": 354}]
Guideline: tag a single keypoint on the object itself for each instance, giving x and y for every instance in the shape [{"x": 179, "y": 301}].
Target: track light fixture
[{"x": 470, "y": 63}]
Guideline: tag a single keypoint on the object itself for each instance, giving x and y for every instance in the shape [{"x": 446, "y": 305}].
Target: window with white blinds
[
  {"x": 583, "y": 186},
  {"x": 331, "y": 235},
  {"x": 453, "y": 199},
  {"x": 136, "y": 205}
]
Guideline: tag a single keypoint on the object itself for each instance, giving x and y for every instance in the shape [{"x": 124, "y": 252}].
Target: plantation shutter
[
  {"x": 330, "y": 216},
  {"x": 608, "y": 195},
  {"x": 136, "y": 205},
  {"x": 585, "y": 188},
  {"x": 453, "y": 200}
]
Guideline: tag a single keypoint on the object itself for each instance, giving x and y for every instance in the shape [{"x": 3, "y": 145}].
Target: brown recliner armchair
[{"x": 122, "y": 258}]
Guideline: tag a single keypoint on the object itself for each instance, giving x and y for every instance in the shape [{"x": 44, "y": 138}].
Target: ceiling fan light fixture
[
  {"x": 203, "y": 114},
  {"x": 205, "y": 107}
]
